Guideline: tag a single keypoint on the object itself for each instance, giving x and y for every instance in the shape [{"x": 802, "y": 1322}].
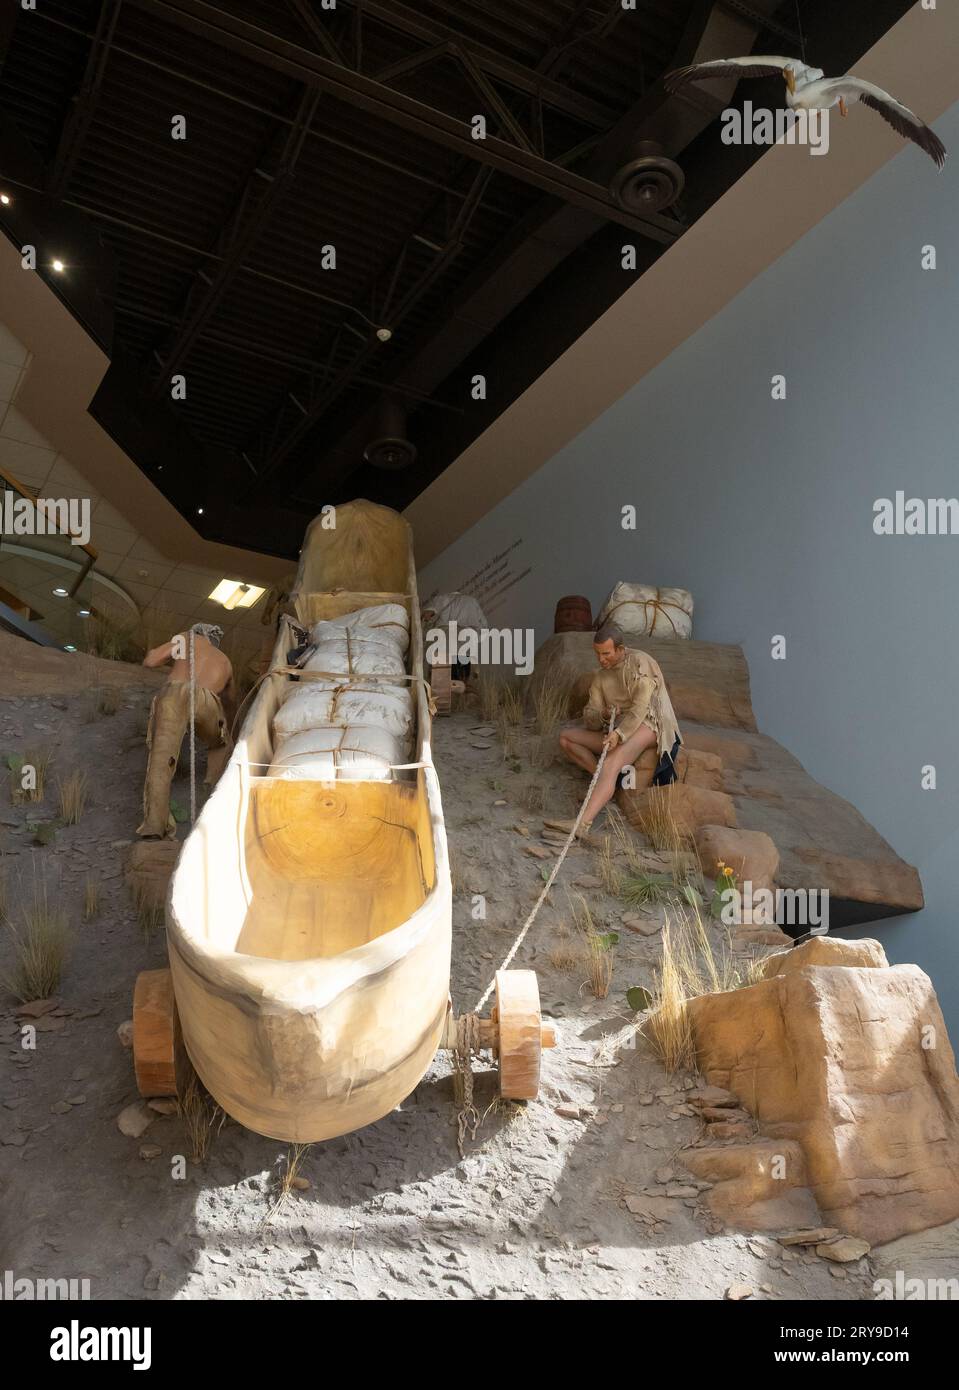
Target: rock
[
  {"x": 644, "y": 926},
  {"x": 844, "y": 1250},
  {"x": 751, "y": 854},
  {"x": 60, "y": 1107},
  {"x": 149, "y": 1151},
  {"x": 162, "y": 1105},
  {"x": 301, "y": 1184},
  {"x": 722, "y": 1114},
  {"x": 731, "y": 1129},
  {"x": 837, "y": 1271},
  {"x": 538, "y": 851},
  {"x": 664, "y": 1175},
  {"x": 827, "y": 950},
  {"x": 36, "y": 1008},
  {"x": 125, "y": 1032},
  {"x": 135, "y": 1120},
  {"x": 568, "y": 1112},
  {"x": 712, "y": 1096},
  {"x": 737, "y": 1292},
  {"x": 589, "y": 881},
  {"x": 681, "y": 1189},
  {"x": 690, "y": 807},
  {"x": 522, "y": 830},
  {"x": 807, "y": 1237},
  {"x": 500, "y": 802},
  {"x": 699, "y": 768},
  {"x": 76, "y": 1100},
  {"x": 759, "y": 1186},
  {"x": 833, "y": 1056}
]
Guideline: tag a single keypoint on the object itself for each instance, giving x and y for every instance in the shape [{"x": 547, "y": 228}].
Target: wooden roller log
[
  {"x": 441, "y": 684},
  {"x": 519, "y": 1030},
  {"x": 155, "y": 1034}
]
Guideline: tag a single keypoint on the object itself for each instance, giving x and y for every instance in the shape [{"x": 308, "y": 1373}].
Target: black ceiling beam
[
  {"x": 352, "y": 88},
  {"x": 764, "y": 22},
  {"x": 522, "y": 79},
  {"x": 315, "y": 28},
  {"x": 246, "y": 230},
  {"x": 84, "y": 103},
  {"x": 280, "y": 452}
]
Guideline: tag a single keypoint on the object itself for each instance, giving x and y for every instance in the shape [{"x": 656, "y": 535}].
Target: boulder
[
  {"x": 827, "y": 950},
  {"x": 699, "y": 768},
  {"x": 690, "y": 807},
  {"x": 853, "y": 1063},
  {"x": 750, "y": 854},
  {"x": 759, "y": 1186}
]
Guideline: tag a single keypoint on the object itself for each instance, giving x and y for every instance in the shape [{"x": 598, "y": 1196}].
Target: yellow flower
[{"x": 727, "y": 872}]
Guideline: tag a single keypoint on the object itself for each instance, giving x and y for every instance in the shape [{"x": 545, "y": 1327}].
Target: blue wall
[{"x": 764, "y": 510}]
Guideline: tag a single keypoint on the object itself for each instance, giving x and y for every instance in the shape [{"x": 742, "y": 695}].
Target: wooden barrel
[{"x": 573, "y": 614}]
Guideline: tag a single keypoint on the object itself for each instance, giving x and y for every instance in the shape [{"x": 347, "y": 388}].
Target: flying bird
[{"x": 808, "y": 89}]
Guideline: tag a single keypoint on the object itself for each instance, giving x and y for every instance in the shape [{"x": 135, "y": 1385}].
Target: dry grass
[
  {"x": 202, "y": 1118},
  {"x": 29, "y": 768},
  {"x": 72, "y": 793},
  {"x": 294, "y": 1159},
  {"x": 533, "y": 797},
  {"x": 41, "y": 940},
  {"x": 150, "y": 913},
  {"x": 690, "y": 966},
  {"x": 550, "y": 702},
  {"x": 91, "y": 898},
  {"x": 114, "y": 640},
  {"x": 597, "y": 949},
  {"x": 566, "y": 955},
  {"x": 609, "y": 870},
  {"x": 488, "y": 688},
  {"x": 108, "y": 699},
  {"x": 660, "y": 826},
  {"x": 511, "y": 704},
  {"x": 624, "y": 842}
]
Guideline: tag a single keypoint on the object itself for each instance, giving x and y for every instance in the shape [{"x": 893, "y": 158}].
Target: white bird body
[{"x": 808, "y": 89}]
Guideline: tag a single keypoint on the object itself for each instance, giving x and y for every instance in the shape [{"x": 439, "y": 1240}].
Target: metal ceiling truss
[
  {"x": 84, "y": 103},
  {"x": 355, "y": 89},
  {"x": 245, "y": 229}
]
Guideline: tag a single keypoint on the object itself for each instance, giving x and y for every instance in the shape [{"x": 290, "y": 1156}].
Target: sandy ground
[{"x": 537, "y": 1208}]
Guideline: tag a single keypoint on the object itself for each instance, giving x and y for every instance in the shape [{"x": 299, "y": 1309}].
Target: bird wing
[
  {"x": 906, "y": 122},
  {"x": 760, "y": 65}
]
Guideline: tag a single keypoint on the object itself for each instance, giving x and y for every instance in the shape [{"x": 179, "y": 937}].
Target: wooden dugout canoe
[{"x": 309, "y": 923}]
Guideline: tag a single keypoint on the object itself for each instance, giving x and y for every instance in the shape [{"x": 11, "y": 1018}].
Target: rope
[
  {"x": 482, "y": 1001},
  {"x": 192, "y": 730}
]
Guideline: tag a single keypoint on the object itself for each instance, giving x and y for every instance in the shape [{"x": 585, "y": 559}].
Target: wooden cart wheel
[
  {"x": 519, "y": 1033},
  {"x": 155, "y": 1034},
  {"x": 441, "y": 685}
]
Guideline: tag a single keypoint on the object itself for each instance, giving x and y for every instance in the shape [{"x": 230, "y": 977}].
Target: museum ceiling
[{"x": 316, "y": 274}]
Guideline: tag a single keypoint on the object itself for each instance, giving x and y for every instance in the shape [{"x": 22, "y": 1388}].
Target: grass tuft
[
  {"x": 41, "y": 939},
  {"x": 91, "y": 898},
  {"x": 72, "y": 792}
]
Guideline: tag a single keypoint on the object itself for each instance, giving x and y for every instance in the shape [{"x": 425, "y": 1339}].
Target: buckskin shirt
[{"x": 638, "y": 691}]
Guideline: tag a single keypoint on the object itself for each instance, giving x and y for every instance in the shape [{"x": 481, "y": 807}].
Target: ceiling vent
[
  {"x": 647, "y": 180},
  {"x": 390, "y": 448}
]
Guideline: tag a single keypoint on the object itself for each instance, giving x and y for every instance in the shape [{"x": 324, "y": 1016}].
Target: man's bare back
[{"x": 212, "y": 668}]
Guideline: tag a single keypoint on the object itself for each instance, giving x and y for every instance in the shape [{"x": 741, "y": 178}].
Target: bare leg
[
  {"x": 621, "y": 756},
  {"x": 582, "y": 747}
]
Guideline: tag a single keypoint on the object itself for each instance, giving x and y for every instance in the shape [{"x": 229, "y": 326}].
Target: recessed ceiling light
[
  {"x": 61, "y": 593},
  {"x": 199, "y": 511},
  {"x": 384, "y": 334},
  {"x": 5, "y": 199},
  {"x": 59, "y": 267},
  {"x": 233, "y": 593},
  {"x": 83, "y": 612},
  {"x": 69, "y": 647}
]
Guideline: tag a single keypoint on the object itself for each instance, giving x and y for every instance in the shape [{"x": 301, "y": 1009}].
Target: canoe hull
[{"x": 309, "y": 923}]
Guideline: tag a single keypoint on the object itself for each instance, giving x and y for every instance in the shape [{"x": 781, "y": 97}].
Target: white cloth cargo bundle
[
  {"x": 354, "y": 656},
  {"x": 386, "y": 622},
  {"x": 361, "y": 753},
  {"x": 642, "y": 610},
  {"x": 318, "y": 704}
]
